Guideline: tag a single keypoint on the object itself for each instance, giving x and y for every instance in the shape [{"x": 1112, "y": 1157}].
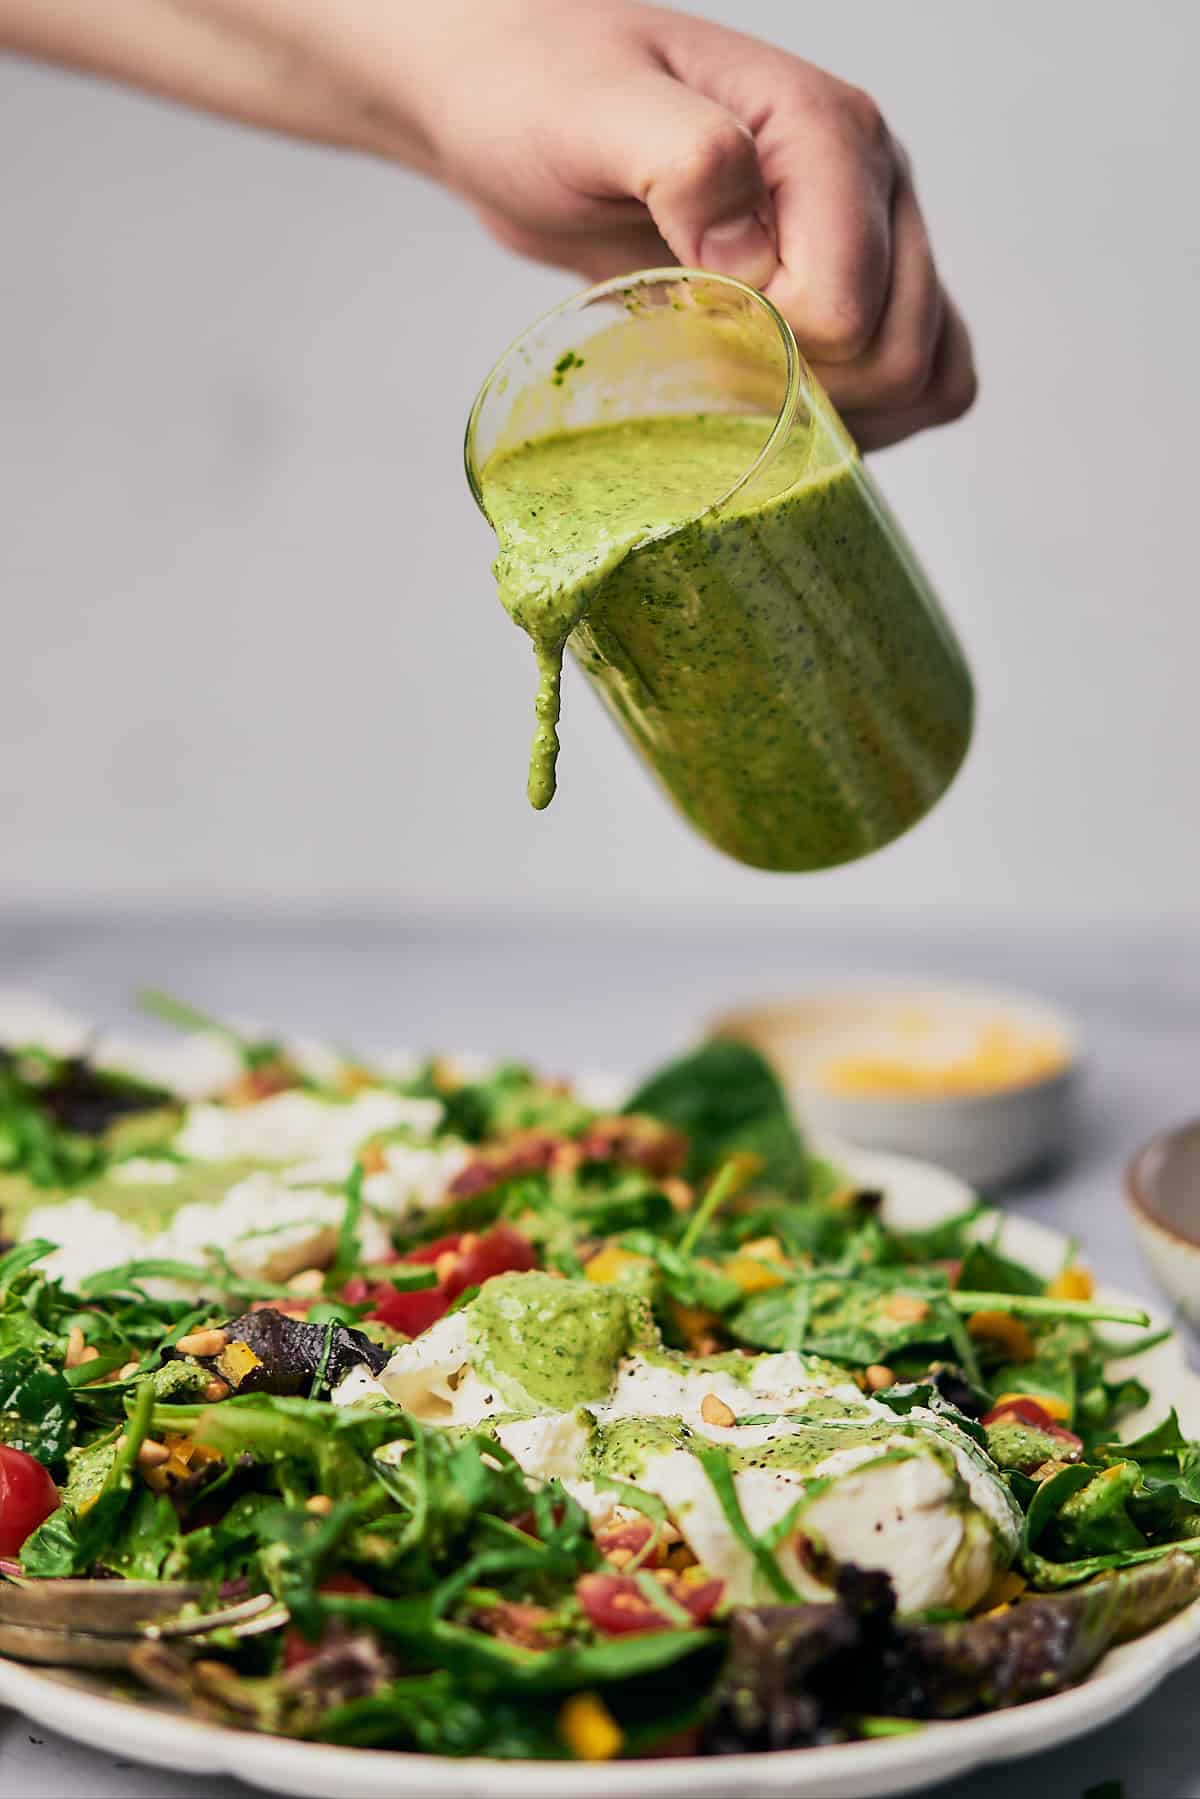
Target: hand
[
  {"x": 610, "y": 136},
  {"x": 599, "y": 135}
]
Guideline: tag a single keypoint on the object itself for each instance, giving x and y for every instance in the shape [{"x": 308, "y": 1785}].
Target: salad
[{"x": 522, "y": 1423}]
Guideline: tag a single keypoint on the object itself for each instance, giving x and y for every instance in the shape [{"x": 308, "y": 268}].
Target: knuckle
[
  {"x": 906, "y": 373},
  {"x": 718, "y": 150},
  {"x": 844, "y": 323},
  {"x": 956, "y": 394},
  {"x": 864, "y": 115}
]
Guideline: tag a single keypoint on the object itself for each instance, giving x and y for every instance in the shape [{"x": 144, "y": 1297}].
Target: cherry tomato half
[
  {"x": 617, "y": 1606},
  {"x": 27, "y": 1497},
  {"x": 502, "y": 1250},
  {"x": 297, "y": 1650}
]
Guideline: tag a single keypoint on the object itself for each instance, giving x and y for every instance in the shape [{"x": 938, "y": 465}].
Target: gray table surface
[{"x": 601, "y": 998}]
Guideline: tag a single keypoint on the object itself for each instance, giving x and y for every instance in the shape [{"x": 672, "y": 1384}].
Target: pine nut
[
  {"x": 152, "y": 1454},
  {"x": 713, "y": 1410},
  {"x": 74, "y": 1346},
  {"x": 906, "y": 1308},
  {"x": 879, "y": 1375},
  {"x": 202, "y": 1343},
  {"x": 309, "y": 1281},
  {"x": 128, "y": 1371},
  {"x": 90, "y": 1354},
  {"x": 320, "y": 1505},
  {"x": 216, "y": 1389},
  {"x": 680, "y": 1196}
]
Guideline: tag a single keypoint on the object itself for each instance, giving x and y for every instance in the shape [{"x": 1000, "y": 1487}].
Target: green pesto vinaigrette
[
  {"x": 548, "y": 1344},
  {"x": 780, "y": 662}
]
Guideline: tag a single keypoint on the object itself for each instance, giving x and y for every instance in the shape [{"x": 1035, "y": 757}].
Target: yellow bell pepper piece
[
  {"x": 612, "y": 1265},
  {"x": 589, "y": 1729},
  {"x": 1057, "y": 1408},
  {"x": 751, "y": 1275},
  {"x": 1003, "y": 1330},
  {"x": 1072, "y": 1283}
]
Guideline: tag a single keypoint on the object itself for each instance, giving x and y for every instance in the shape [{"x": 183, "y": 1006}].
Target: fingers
[
  {"x": 856, "y": 279},
  {"x": 949, "y": 392},
  {"x": 895, "y": 366},
  {"x": 832, "y": 171},
  {"x": 858, "y": 283},
  {"x": 695, "y": 168}
]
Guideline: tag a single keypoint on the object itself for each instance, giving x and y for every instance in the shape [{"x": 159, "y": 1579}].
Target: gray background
[{"x": 251, "y": 647}]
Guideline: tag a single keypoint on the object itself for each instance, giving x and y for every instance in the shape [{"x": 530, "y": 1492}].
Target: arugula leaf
[
  {"x": 511, "y": 1098},
  {"x": 72, "y": 1541},
  {"x": 432, "y": 1714},
  {"x": 28, "y": 1318},
  {"x": 410, "y": 1622},
  {"x": 903, "y": 1398},
  {"x": 254, "y": 1053},
  {"x": 714, "y": 1464},
  {"x": 347, "y": 1258},
  {"x": 149, "y": 1532},
  {"x": 22, "y": 1256},
  {"x": 684, "y": 1277},
  {"x": 31, "y": 1143},
  {"x": 1163, "y": 1440},
  {"x": 726, "y": 1100}
]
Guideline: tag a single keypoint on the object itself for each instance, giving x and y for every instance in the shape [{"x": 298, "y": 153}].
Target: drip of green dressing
[{"x": 780, "y": 662}]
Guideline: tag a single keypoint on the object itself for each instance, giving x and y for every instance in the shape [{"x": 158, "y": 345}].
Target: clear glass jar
[{"x": 776, "y": 655}]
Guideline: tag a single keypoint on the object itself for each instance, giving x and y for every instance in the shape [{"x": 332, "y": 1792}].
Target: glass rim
[{"x": 796, "y": 371}]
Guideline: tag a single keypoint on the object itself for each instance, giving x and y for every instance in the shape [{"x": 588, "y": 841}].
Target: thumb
[{"x": 695, "y": 168}]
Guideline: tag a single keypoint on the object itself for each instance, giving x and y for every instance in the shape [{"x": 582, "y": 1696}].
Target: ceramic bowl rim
[{"x": 1136, "y": 1182}]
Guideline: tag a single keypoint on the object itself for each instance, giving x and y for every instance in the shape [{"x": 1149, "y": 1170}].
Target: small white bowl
[
  {"x": 987, "y": 1137},
  {"x": 1162, "y": 1189}
]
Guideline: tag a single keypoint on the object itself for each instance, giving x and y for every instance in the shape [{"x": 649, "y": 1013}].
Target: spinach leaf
[
  {"x": 1095, "y": 1520},
  {"x": 36, "y": 1409},
  {"x": 725, "y": 1099},
  {"x": 985, "y": 1270}
]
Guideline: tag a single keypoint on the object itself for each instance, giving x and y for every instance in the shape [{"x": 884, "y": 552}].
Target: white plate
[{"x": 80, "y": 1707}]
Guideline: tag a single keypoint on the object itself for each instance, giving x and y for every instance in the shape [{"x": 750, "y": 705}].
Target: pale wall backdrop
[{"x": 250, "y": 645}]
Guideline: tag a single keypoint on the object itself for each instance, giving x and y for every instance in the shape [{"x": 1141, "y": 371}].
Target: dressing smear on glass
[{"x": 569, "y": 508}]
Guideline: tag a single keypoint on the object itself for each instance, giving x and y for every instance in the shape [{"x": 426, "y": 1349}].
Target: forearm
[{"x": 279, "y": 66}]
